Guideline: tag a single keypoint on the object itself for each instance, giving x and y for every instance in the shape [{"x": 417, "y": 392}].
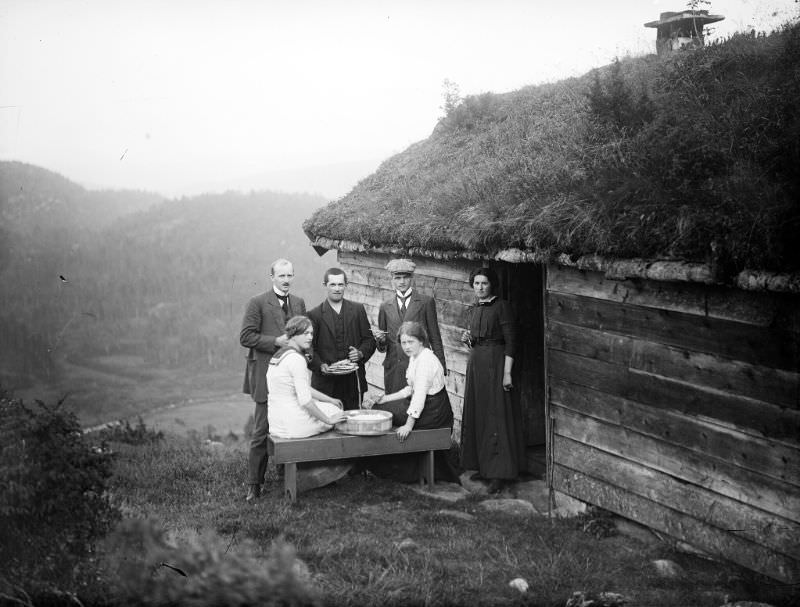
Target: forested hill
[
  {"x": 165, "y": 285},
  {"x": 33, "y": 199}
]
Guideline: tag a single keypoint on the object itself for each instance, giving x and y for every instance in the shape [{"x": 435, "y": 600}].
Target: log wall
[
  {"x": 369, "y": 283},
  {"x": 678, "y": 406},
  {"x": 447, "y": 282}
]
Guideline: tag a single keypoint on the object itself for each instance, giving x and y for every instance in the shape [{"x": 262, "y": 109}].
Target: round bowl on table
[{"x": 365, "y": 422}]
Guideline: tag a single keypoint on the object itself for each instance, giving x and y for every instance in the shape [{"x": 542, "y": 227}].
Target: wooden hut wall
[
  {"x": 676, "y": 405},
  {"x": 369, "y": 283}
]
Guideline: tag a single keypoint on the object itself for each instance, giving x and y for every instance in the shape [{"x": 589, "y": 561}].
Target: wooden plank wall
[
  {"x": 369, "y": 283},
  {"x": 678, "y": 406}
]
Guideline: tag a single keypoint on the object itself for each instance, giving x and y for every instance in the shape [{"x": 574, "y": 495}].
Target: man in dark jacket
[
  {"x": 341, "y": 332},
  {"x": 262, "y": 333},
  {"x": 406, "y": 304}
]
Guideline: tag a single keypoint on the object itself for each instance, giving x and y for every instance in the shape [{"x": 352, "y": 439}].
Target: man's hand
[
  {"x": 281, "y": 341},
  {"x": 354, "y": 355},
  {"x": 323, "y": 368},
  {"x": 370, "y": 400}
]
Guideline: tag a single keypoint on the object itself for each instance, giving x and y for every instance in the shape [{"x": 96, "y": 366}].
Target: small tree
[{"x": 451, "y": 96}]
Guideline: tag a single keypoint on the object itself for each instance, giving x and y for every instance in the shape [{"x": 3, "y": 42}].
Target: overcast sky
[{"x": 181, "y": 96}]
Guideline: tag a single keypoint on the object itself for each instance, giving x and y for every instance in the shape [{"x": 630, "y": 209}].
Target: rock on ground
[
  {"x": 448, "y": 492},
  {"x": 464, "y": 516},
  {"x": 512, "y": 506},
  {"x": 407, "y": 544},
  {"x": 668, "y": 569}
]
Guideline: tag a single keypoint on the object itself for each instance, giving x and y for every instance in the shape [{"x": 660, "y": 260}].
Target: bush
[
  {"x": 54, "y": 505},
  {"x": 203, "y": 570},
  {"x": 123, "y": 432}
]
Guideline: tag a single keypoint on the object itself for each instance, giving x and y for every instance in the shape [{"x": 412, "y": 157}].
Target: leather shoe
[
  {"x": 476, "y": 477},
  {"x": 496, "y": 485},
  {"x": 253, "y": 493}
]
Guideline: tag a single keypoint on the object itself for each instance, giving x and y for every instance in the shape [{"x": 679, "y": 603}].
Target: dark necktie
[
  {"x": 284, "y": 299},
  {"x": 403, "y": 304}
]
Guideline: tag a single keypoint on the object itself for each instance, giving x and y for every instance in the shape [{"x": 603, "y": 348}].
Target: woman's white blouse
[
  {"x": 425, "y": 375},
  {"x": 289, "y": 385}
]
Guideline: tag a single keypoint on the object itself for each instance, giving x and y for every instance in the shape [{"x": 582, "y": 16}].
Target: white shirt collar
[
  {"x": 274, "y": 288},
  {"x": 401, "y": 296}
]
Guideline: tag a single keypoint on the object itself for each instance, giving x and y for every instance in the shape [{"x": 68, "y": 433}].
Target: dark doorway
[{"x": 523, "y": 286}]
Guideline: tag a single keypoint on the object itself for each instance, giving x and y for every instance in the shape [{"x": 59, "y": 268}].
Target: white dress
[{"x": 289, "y": 385}]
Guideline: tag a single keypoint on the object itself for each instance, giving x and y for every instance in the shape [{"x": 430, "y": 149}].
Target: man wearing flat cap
[{"x": 406, "y": 304}]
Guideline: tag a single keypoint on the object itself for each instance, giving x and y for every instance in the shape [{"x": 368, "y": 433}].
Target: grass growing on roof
[{"x": 692, "y": 156}]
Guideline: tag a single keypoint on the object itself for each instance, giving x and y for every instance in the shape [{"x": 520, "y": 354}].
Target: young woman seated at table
[
  {"x": 296, "y": 410},
  {"x": 422, "y": 404}
]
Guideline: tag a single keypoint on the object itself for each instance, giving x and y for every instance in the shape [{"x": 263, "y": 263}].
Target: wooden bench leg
[
  {"x": 290, "y": 481},
  {"x": 426, "y": 470}
]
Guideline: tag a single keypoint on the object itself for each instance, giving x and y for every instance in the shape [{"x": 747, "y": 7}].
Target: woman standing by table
[{"x": 492, "y": 440}]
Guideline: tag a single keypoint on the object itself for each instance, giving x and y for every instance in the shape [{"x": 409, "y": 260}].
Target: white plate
[{"x": 341, "y": 371}]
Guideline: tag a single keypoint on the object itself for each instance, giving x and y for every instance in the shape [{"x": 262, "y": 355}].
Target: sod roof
[{"x": 691, "y": 157}]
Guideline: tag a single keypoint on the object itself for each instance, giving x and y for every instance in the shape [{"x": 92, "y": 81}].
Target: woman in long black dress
[{"x": 492, "y": 440}]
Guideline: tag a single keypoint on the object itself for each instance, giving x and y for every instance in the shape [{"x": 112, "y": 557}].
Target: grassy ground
[{"x": 366, "y": 541}]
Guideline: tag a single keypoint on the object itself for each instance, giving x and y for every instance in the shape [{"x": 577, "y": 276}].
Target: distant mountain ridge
[
  {"x": 33, "y": 198},
  {"x": 98, "y": 273}
]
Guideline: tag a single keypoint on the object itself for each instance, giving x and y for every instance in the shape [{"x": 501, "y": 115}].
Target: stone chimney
[{"x": 683, "y": 29}]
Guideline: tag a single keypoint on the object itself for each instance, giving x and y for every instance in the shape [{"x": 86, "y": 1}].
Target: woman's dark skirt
[{"x": 405, "y": 468}]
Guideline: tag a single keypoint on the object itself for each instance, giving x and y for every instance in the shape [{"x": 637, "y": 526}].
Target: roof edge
[{"x": 614, "y": 269}]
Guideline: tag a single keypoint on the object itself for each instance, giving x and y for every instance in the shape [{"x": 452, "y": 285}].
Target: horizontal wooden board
[
  {"x": 448, "y": 312},
  {"x": 452, "y": 270},
  {"x": 759, "y": 455},
  {"x": 720, "y": 477},
  {"x": 763, "y": 309},
  {"x": 745, "y": 414},
  {"x": 726, "y": 514},
  {"x": 769, "y": 347},
  {"x": 437, "y": 287},
  {"x": 332, "y": 445},
  {"x": 677, "y": 525},
  {"x": 774, "y": 386}
]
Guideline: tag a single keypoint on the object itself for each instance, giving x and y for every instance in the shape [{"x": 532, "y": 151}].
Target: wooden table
[{"x": 333, "y": 445}]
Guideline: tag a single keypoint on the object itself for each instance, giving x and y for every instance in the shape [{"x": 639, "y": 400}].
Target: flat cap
[{"x": 401, "y": 266}]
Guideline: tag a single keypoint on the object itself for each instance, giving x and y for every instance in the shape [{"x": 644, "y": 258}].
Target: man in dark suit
[
  {"x": 262, "y": 333},
  {"x": 405, "y": 305},
  {"x": 341, "y": 332}
]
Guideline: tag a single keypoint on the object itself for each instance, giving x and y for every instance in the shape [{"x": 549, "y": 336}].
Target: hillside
[
  {"x": 691, "y": 156},
  {"x": 33, "y": 199},
  {"x": 160, "y": 288}
]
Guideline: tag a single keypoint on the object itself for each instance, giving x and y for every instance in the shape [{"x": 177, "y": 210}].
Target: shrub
[
  {"x": 54, "y": 505},
  {"x": 146, "y": 569},
  {"x": 123, "y": 432}
]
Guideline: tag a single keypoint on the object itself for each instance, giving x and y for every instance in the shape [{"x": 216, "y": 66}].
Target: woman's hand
[
  {"x": 337, "y": 403},
  {"x": 507, "y": 385},
  {"x": 404, "y": 431},
  {"x": 335, "y": 418}
]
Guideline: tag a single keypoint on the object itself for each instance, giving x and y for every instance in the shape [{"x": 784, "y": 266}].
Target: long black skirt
[
  {"x": 492, "y": 440},
  {"x": 405, "y": 467}
]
